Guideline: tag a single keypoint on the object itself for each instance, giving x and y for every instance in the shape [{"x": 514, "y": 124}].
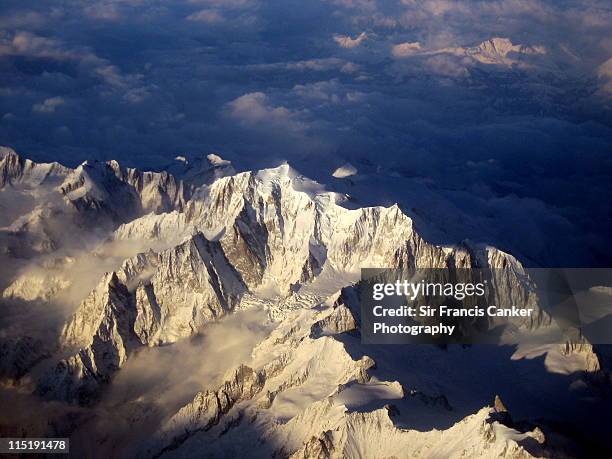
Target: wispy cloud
[
  {"x": 208, "y": 16},
  {"x": 48, "y": 105},
  {"x": 328, "y": 91},
  {"x": 103, "y": 11},
  {"x": 231, "y": 4}
]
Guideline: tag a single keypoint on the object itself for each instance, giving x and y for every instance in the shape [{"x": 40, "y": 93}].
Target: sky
[{"x": 497, "y": 111}]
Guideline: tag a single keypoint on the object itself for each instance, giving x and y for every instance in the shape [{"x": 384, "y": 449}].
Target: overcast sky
[{"x": 508, "y": 101}]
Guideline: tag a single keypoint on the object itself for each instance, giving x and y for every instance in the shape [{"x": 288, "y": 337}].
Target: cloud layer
[{"x": 506, "y": 101}]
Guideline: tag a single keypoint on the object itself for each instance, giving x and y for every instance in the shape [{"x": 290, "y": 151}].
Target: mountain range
[{"x": 109, "y": 268}]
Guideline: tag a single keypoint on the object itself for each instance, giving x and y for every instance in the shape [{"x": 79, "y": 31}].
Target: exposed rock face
[
  {"x": 512, "y": 286},
  {"x": 34, "y": 286},
  {"x": 30, "y": 228},
  {"x": 64, "y": 203},
  {"x": 18, "y": 171},
  {"x": 502, "y": 51},
  {"x": 19, "y": 355},
  {"x": 249, "y": 401},
  {"x": 102, "y": 331},
  {"x": 321, "y": 366},
  {"x": 106, "y": 190},
  {"x": 263, "y": 226},
  {"x": 585, "y": 349},
  {"x": 186, "y": 287},
  {"x": 201, "y": 170},
  {"x": 207, "y": 408},
  {"x": 339, "y": 321},
  {"x": 320, "y": 447},
  {"x": 154, "y": 298},
  {"x": 273, "y": 232}
]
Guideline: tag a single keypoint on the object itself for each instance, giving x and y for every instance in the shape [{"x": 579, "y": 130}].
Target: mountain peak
[
  {"x": 498, "y": 50},
  {"x": 200, "y": 170},
  {"x": 6, "y": 151}
]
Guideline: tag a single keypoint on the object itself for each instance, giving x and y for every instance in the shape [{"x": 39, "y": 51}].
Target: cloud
[
  {"x": 208, "y": 16},
  {"x": 21, "y": 19},
  {"x": 113, "y": 76},
  {"x": 445, "y": 65},
  {"x": 137, "y": 95},
  {"x": 344, "y": 171},
  {"x": 317, "y": 64},
  {"x": 329, "y": 64},
  {"x": 406, "y": 49},
  {"x": 26, "y": 44},
  {"x": 165, "y": 377},
  {"x": 362, "y": 5},
  {"x": 263, "y": 125},
  {"x": 322, "y": 90},
  {"x": 604, "y": 72},
  {"x": 229, "y": 4},
  {"x": 328, "y": 91},
  {"x": 236, "y": 14},
  {"x": 345, "y": 41},
  {"x": 31, "y": 45},
  {"x": 103, "y": 11},
  {"x": 436, "y": 86},
  {"x": 48, "y": 105},
  {"x": 254, "y": 109}
]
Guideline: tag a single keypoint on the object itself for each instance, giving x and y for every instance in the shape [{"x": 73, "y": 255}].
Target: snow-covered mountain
[
  {"x": 501, "y": 51},
  {"x": 95, "y": 195},
  {"x": 495, "y": 51},
  {"x": 178, "y": 256},
  {"x": 200, "y": 170},
  {"x": 15, "y": 170}
]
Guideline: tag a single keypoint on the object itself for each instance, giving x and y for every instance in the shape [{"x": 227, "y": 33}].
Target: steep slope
[
  {"x": 279, "y": 229},
  {"x": 502, "y": 51},
  {"x": 154, "y": 298},
  {"x": 106, "y": 340},
  {"x": 263, "y": 224},
  {"x": 303, "y": 397},
  {"x": 18, "y": 171},
  {"x": 373, "y": 434},
  {"x": 200, "y": 170},
  {"x": 94, "y": 197},
  {"x": 121, "y": 194}
]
